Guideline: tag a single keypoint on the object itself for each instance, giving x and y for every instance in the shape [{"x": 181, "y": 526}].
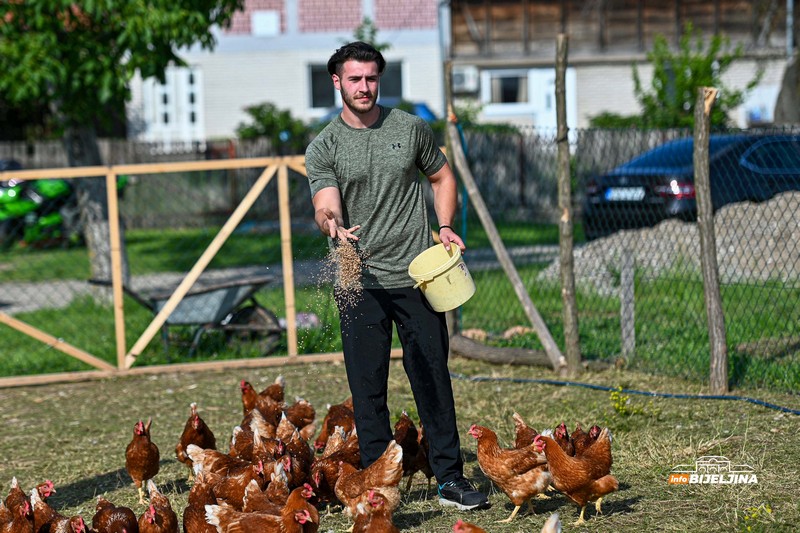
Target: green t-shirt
[{"x": 376, "y": 170}]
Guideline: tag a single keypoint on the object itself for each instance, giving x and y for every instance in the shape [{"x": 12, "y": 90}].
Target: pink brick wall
[
  {"x": 241, "y": 20},
  {"x": 342, "y": 15},
  {"x": 327, "y": 15},
  {"x": 409, "y": 15}
]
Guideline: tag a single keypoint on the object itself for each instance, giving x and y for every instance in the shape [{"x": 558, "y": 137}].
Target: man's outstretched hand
[{"x": 332, "y": 227}]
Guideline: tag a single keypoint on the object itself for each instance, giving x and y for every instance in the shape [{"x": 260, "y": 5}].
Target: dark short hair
[{"x": 356, "y": 51}]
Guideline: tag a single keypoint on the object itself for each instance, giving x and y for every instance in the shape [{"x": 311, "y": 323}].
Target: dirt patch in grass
[{"x": 75, "y": 434}]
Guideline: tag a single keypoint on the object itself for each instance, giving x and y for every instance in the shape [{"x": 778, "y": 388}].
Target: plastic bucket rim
[{"x": 428, "y": 276}]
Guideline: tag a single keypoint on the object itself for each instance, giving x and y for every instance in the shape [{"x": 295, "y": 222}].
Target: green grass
[
  {"x": 671, "y": 331},
  {"x": 515, "y": 234},
  {"x": 762, "y": 321},
  {"x": 151, "y": 251},
  {"x": 57, "y": 432},
  {"x": 177, "y": 250}
]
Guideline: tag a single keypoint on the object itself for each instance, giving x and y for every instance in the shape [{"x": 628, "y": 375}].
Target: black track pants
[{"x": 366, "y": 340}]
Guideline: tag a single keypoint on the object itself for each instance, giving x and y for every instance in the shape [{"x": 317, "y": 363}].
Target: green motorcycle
[{"x": 39, "y": 212}]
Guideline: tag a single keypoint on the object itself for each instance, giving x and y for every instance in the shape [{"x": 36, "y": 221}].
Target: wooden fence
[{"x": 126, "y": 356}]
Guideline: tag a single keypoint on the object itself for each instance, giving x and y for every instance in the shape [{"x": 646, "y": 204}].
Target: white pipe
[
  {"x": 789, "y": 28},
  {"x": 443, "y": 9}
]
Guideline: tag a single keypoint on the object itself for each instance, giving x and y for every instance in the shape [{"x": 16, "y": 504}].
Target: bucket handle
[
  {"x": 438, "y": 270},
  {"x": 422, "y": 282}
]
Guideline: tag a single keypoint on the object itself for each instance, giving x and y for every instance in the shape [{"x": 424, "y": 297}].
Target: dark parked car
[{"x": 659, "y": 184}]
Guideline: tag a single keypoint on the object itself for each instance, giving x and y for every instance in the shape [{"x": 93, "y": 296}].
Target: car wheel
[
  {"x": 9, "y": 233},
  {"x": 590, "y": 229},
  {"x": 254, "y": 323}
]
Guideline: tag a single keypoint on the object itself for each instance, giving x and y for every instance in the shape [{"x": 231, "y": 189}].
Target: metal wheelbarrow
[{"x": 228, "y": 305}]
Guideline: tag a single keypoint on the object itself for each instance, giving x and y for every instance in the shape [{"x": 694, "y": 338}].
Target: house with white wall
[
  {"x": 505, "y": 52},
  {"x": 276, "y": 51},
  {"x": 502, "y": 52}
]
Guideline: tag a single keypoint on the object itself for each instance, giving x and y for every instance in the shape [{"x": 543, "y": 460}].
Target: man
[{"x": 363, "y": 169}]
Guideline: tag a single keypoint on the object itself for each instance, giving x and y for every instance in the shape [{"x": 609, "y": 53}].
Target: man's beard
[{"x": 356, "y": 105}]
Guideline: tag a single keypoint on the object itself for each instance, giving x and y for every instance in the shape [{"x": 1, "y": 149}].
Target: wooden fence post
[
  {"x": 117, "y": 275},
  {"x": 565, "y": 223},
  {"x": 708, "y": 245},
  {"x": 286, "y": 259}
]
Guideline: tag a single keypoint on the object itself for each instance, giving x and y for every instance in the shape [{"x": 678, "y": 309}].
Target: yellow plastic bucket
[{"x": 442, "y": 276}]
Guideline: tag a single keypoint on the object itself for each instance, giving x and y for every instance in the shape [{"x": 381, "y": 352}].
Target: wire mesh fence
[
  {"x": 624, "y": 253},
  {"x": 636, "y": 235}
]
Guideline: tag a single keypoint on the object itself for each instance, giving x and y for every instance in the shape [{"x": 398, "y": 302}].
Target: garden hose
[{"x": 561, "y": 383}]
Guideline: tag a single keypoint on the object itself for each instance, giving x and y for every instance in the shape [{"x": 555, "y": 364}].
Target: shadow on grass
[
  {"x": 84, "y": 492},
  {"x": 412, "y": 519}
]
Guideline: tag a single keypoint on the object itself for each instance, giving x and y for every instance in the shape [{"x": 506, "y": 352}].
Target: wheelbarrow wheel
[{"x": 257, "y": 324}]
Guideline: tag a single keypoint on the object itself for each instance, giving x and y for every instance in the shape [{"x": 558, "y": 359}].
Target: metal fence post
[{"x": 627, "y": 306}]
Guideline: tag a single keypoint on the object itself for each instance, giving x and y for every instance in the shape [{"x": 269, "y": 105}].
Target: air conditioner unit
[{"x": 465, "y": 79}]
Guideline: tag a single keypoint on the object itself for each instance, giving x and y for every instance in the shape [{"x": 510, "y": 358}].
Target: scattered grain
[{"x": 346, "y": 262}]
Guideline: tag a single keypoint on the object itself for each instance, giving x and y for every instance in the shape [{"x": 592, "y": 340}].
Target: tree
[
  {"x": 367, "y": 32},
  {"x": 670, "y": 99},
  {"x": 677, "y": 75},
  {"x": 284, "y": 132},
  {"x": 77, "y": 57}
]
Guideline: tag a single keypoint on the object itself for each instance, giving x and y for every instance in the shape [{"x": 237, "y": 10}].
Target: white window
[
  {"x": 265, "y": 23},
  {"x": 173, "y": 111},
  {"x": 527, "y": 94}
]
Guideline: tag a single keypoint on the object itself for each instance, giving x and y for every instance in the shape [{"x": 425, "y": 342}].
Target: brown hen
[
  {"x": 415, "y": 456},
  {"x": 296, "y": 517},
  {"x": 46, "y": 519},
  {"x": 298, "y": 504},
  {"x": 110, "y": 518},
  {"x": 265, "y": 449},
  {"x": 582, "y": 478},
  {"x": 583, "y": 439},
  {"x": 562, "y": 438},
  {"x": 523, "y": 433},
  {"x": 353, "y": 485},
  {"x": 302, "y": 414},
  {"x": 325, "y": 469},
  {"x": 231, "y": 488},
  {"x": 216, "y": 462},
  {"x": 467, "y": 527},
  {"x": 242, "y": 438},
  {"x": 195, "y": 431},
  {"x": 226, "y": 519},
  {"x": 159, "y": 517},
  {"x": 200, "y": 495},
  {"x": 267, "y": 406},
  {"x": 340, "y": 414},
  {"x": 19, "y": 520},
  {"x": 17, "y": 498},
  {"x": 579, "y": 439},
  {"x": 256, "y": 500},
  {"x": 520, "y": 473},
  {"x": 277, "y": 490},
  {"x": 142, "y": 457},
  {"x": 276, "y": 390},
  {"x": 302, "y": 457},
  {"x": 374, "y": 516}
]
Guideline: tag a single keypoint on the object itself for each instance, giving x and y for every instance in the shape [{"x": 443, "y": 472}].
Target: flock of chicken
[
  {"x": 577, "y": 464},
  {"x": 273, "y": 479}
]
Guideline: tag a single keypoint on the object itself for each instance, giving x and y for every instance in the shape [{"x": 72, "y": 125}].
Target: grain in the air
[{"x": 347, "y": 263}]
